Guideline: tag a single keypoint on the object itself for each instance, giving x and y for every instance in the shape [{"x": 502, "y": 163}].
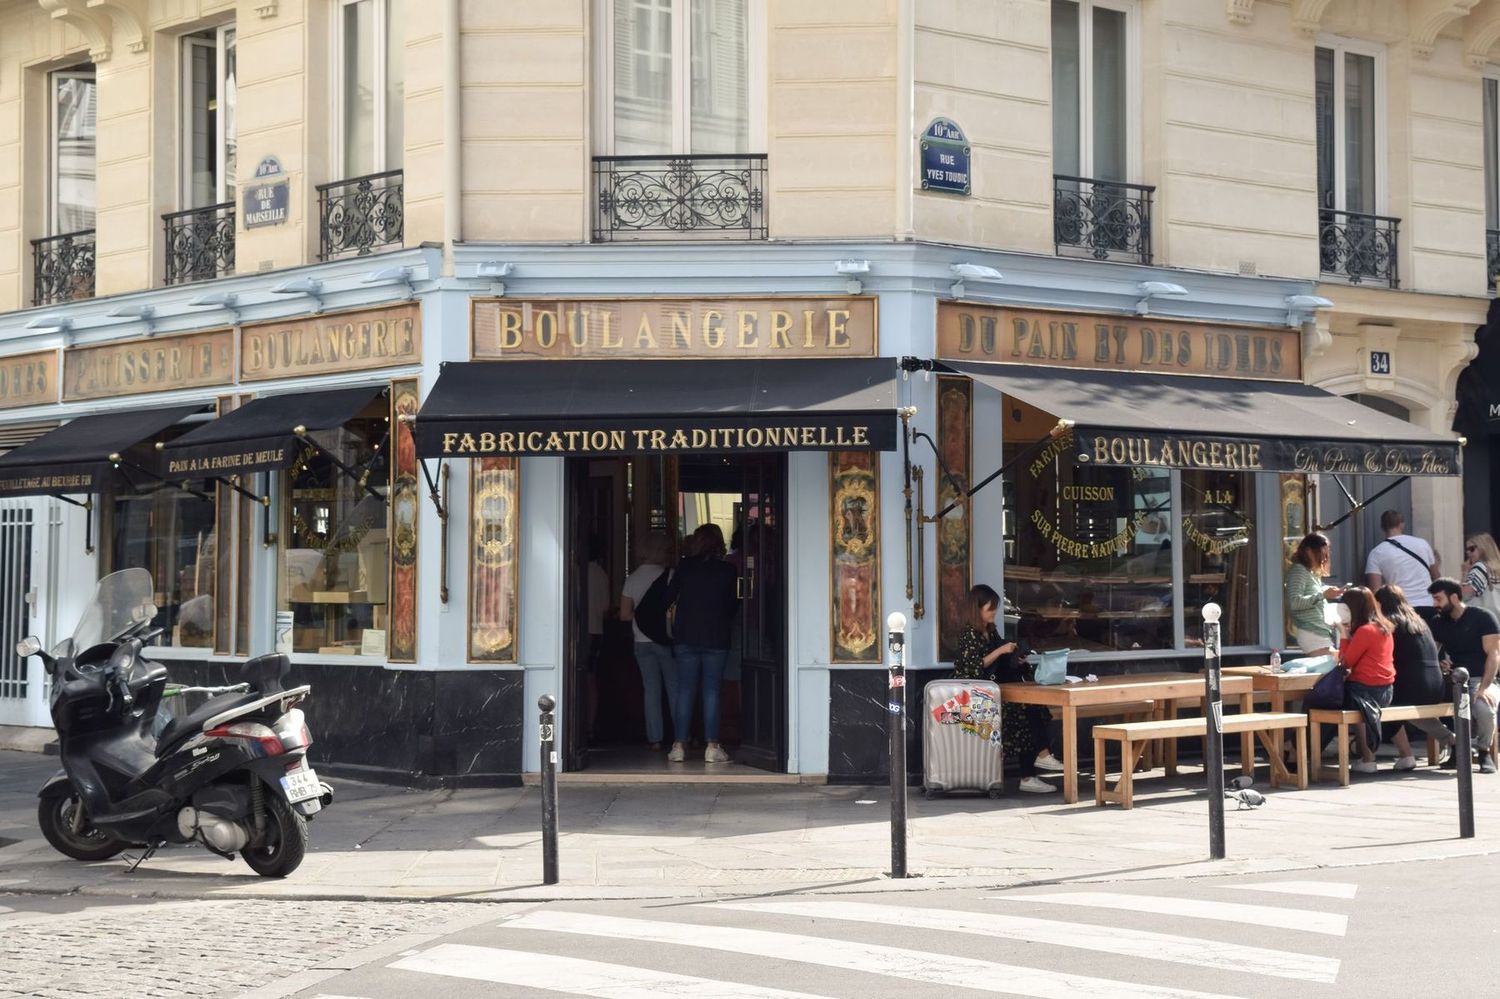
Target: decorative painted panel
[
  {"x": 955, "y": 419},
  {"x": 855, "y": 551},
  {"x": 494, "y": 558},
  {"x": 404, "y": 503}
]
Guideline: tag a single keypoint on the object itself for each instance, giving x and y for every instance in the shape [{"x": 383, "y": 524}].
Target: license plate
[{"x": 301, "y": 785}]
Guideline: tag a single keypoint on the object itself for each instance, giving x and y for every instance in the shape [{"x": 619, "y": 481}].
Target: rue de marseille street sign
[
  {"x": 267, "y": 198},
  {"x": 945, "y": 158}
]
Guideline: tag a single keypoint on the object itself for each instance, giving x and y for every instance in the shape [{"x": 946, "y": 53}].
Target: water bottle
[{"x": 1275, "y": 661}]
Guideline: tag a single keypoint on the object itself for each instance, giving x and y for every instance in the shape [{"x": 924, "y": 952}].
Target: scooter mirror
[{"x": 28, "y": 646}]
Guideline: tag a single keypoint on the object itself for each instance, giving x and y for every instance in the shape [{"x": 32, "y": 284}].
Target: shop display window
[
  {"x": 1092, "y": 569},
  {"x": 171, "y": 533},
  {"x": 334, "y": 570},
  {"x": 1219, "y": 554}
]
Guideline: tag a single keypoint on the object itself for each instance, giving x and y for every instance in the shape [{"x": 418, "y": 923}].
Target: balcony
[
  {"x": 679, "y": 197},
  {"x": 200, "y": 243},
  {"x": 62, "y": 268},
  {"x": 1360, "y": 247},
  {"x": 360, "y": 215},
  {"x": 1492, "y": 258},
  {"x": 1101, "y": 219}
]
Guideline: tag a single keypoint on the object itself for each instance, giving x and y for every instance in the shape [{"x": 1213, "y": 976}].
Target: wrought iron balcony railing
[
  {"x": 1102, "y": 219},
  {"x": 200, "y": 243},
  {"x": 62, "y": 267},
  {"x": 361, "y": 214},
  {"x": 1360, "y": 247},
  {"x": 1492, "y": 258},
  {"x": 679, "y": 197}
]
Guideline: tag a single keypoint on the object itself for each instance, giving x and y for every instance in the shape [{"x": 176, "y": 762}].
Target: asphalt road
[{"x": 1330, "y": 933}]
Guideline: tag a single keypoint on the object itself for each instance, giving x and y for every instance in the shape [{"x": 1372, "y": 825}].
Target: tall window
[
  {"x": 1347, "y": 84},
  {"x": 679, "y": 76},
  {"x": 73, "y": 156},
  {"x": 208, "y": 117},
  {"x": 1092, "y": 97},
  {"x": 372, "y": 85},
  {"x": 335, "y": 566}
]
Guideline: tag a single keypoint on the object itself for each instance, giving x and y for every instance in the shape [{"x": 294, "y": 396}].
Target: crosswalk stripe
[
  {"x": 1304, "y": 920},
  {"x": 1319, "y": 889},
  {"x": 894, "y": 962},
  {"x": 1084, "y": 936},
  {"x": 577, "y": 976}
]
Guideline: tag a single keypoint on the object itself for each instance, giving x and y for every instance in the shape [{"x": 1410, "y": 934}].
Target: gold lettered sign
[
  {"x": 28, "y": 379},
  {"x": 320, "y": 345},
  {"x": 720, "y": 328},
  {"x": 159, "y": 364},
  {"x": 1116, "y": 343}
]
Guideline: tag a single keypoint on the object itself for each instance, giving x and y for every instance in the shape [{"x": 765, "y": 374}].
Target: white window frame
[
  {"x": 1131, "y": 10},
  {"x": 54, "y": 161},
  {"x": 682, "y": 77},
  {"x": 1491, "y": 195},
  {"x": 226, "y": 185},
  {"x": 1340, "y": 46},
  {"x": 381, "y": 112}
]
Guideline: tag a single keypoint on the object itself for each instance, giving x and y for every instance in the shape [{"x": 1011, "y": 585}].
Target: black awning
[
  {"x": 480, "y": 408},
  {"x": 262, "y": 434},
  {"x": 1130, "y": 418},
  {"x": 76, "y": 457}
]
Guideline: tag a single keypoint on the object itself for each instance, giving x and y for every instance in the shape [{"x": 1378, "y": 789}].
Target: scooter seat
[{"x": 181, "y": 728}]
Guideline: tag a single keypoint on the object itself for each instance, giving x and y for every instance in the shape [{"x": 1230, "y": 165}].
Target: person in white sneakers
[
  {"x": 1419, "y": 680},
  {"x": 1023, "y": 727}
]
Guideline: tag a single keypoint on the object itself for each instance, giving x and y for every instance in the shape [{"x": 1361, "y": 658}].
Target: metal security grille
[{"x": 15, "y": 585}]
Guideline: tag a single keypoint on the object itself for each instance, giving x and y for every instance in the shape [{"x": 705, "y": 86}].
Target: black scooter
[{"x": 232, "y": 775}]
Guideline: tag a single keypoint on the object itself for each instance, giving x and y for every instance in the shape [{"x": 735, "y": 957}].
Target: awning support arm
[
  {"x": 363, "y": 479},
  {"x": 432, "y": 487},
  {"x": 1353, "y": 503},
  {"x": 88, "y": 519},
  {"x": 1063, "y": 427},
  {"x": 1358, "y": 506},
  {"x": 248, "y": 494},
  {"x": 119, "y": 461}
]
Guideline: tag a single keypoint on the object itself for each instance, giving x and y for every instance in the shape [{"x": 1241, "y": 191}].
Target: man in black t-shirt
[{"x": 1470, "y": 637}]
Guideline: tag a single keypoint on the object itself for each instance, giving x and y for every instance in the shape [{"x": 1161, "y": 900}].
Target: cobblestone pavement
[{"x": 206, "y": 948}]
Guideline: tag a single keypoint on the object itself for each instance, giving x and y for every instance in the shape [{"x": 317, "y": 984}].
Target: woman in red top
[{"x": 1369, "y": 659}]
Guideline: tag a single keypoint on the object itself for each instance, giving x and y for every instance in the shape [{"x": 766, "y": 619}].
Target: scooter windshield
[{"x": 122, "y": 600}]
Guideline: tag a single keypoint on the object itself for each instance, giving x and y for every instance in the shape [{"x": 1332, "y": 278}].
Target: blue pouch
[{"x": 1052, "y": 667}]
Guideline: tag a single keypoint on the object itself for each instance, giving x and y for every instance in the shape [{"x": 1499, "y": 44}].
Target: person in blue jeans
[{"x": 703, "y": 593}]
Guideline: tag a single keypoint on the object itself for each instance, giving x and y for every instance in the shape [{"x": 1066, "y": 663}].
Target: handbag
[
  {"x": 1052, "y": 667},
  {"x": 1328, "y": 693}
]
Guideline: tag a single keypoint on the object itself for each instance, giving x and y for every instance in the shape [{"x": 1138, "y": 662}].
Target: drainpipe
[{"x": 453, "y": 171}]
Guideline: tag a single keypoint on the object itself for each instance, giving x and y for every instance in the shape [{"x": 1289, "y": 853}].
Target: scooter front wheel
[
  {"x": 55, "y": 816},
  {"x": 285, "y": 843}
]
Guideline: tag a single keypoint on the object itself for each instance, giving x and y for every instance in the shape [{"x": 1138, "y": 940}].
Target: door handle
[{"x": 749, "y": 584}]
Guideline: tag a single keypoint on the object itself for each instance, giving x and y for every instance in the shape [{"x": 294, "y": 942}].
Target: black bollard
[
  {"x": 896, "y": 625},
  {"x": 548, "y": 733},
  {"x": 1462, "y": 751},
  {"x": 1213, "y": 744}
]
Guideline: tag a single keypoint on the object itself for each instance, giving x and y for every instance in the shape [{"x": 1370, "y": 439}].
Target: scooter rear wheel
[
  {"x": 55, "y": 816},
  {"x": 286, "y": 840}
]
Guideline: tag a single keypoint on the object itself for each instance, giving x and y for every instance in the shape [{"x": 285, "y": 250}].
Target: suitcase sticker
[{"x": 974, "y": 710}]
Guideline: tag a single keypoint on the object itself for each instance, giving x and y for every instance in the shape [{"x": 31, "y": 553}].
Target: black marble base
[{"x": 459, "y": 728}]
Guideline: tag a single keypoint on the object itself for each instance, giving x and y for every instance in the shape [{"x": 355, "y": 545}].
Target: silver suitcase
[{"x": 961, "y": 748}]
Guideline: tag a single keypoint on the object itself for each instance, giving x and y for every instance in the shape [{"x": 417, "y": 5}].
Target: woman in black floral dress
[{"x": 983, "y": 655}]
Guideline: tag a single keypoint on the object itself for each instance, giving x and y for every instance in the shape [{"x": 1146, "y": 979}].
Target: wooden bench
[
  {"x": 1318, "y": 717},
  {"x": 1133, "y": 738},
  {"x": 1128, "y": 710}
]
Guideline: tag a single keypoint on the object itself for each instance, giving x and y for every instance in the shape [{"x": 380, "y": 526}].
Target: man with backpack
[{"x": 643, "y": 602}]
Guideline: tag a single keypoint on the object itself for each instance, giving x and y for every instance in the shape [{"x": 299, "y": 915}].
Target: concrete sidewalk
[{"x": 379, "y": 842}]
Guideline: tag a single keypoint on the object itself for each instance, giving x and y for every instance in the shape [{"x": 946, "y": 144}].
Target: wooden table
[
  {"x": 1282, "y": 687},
  {"x": 1164, "y": 688}
]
